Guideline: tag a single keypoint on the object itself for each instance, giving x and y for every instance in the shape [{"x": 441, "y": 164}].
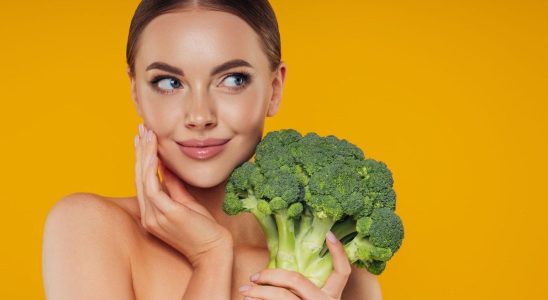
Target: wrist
[{"x": 220, "y": 254}]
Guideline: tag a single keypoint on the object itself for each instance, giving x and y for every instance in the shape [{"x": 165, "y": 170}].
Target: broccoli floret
[
  {"x": 281, "y": 183},
  {"x": 386, "y": 229},
  {"x": 301, "y": 187},
  {"x": 271, "y": 152},
  {"x": 379, "y": 183}
]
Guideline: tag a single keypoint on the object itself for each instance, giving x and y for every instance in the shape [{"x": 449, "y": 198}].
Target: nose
[{"x": 200, "y": 113}]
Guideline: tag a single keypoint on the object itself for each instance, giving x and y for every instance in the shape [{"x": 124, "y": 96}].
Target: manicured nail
[
  {"x": 244, "y": 288},
  {"x": 149, "y": 135},
  {"x": 331, "y": 237},
  {"x": 136, "y": 140},
  {"x": 254, "y": 277},
  {"x": 141, "y": 130},
  {"x": 247, "y": 298},
  {"x": 152, "y": 159}
]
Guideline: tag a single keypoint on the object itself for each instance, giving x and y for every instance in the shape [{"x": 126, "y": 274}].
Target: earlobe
[{"x": 277, "y": 90}]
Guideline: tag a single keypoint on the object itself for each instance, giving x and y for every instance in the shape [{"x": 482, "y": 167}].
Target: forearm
[{"x": 212, "y": 276}]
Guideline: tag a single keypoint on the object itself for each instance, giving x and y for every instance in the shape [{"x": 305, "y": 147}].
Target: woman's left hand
[{"x": 282, "y": 284}]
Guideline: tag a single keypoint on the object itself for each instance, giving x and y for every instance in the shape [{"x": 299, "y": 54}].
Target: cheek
[
  {"x": 246, "y": 114},
  {"x": 158, "y": 111}
]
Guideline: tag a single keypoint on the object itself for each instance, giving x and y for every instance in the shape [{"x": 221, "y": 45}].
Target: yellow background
[{"x": 452, "y": 95}]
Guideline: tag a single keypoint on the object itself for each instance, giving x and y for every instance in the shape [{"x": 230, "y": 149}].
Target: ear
[
  {"x": 277, "y": 89},
  {"x": 134, "y": 91}
]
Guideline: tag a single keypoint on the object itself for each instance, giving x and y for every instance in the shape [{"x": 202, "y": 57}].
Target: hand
[
  {"x": 177, "y": 219},
  {"x": 288, "y": 285}
]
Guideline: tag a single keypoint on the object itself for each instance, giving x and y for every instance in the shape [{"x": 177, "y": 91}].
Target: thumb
[{"x": 338, "y": 278}]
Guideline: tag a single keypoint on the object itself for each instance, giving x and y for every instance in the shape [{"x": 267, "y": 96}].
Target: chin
[
  {"x": 205, "y": 179},
  {"x": 204, "y": 175}
]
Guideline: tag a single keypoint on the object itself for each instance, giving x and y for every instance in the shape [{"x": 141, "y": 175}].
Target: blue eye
[
  {"x": 237, "y": 80},
  {"x": 165, "y": 84}
]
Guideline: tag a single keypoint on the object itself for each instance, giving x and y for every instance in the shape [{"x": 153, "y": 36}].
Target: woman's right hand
[{"x": 169, "y": 211}]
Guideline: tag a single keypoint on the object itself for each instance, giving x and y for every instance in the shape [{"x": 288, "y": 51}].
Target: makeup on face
[{"x": 204, "y": 88}]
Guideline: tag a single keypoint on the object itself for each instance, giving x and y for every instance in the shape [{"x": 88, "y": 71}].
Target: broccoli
[{"x": 301, "y": 187}]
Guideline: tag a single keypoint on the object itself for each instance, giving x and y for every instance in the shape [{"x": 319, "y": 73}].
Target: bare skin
[{"x": 172, "y": 240}]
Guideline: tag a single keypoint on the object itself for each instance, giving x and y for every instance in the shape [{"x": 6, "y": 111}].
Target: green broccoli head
[
  {"x": 379, "y": 183},
  {"x": 375, "y": 267},
  {"x": 363, "y": 225},
  {"x": 312, "y": 153},
  {"x": 344, "y": 149},
  {"x": 341, "y": 180},
  {"x": 281, "y": 183},
  {"x": 232, "y": 204},
  {"x": 264, "y": 207},
  {"x": 301, "y": 187},
  {"x": 272, "y": 152},
  {"x": 386, "y": 229},
  {"x": 295, "y": 210},
  {"x": 326, "y": 206},
  {"x": 244, "y": 177}
]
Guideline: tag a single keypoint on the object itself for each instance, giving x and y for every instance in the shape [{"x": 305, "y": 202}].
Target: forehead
[{"x": 199, "y": 39}]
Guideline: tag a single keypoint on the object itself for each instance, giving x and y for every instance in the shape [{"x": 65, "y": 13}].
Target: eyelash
[{"x": 245, "y": 75}]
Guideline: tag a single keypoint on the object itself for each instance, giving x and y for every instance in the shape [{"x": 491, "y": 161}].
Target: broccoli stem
[
  {"x": 319, "y": 270},
  {"x": 344, "y": 228},
  {"x": 341, "y": 230},
  {"x": 305, "y": 226},
  {"x": 312, "y": 242},
  {"x": 268, "y": 226},
  {"x": 286, "y": 241},
  {"x": 359, "y": 248}
]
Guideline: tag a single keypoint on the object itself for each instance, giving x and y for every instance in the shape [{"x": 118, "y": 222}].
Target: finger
[
  {"x": 336, "y": 281},
  {"x": 151, "y": 220},
  {"x": 151, "y": 216},
  {"x": 138, "y": 182},
  {"x": 266, "y": 292},
  {"x": 294, "y": 281},
  {"x": 158, "y": 198},
  {"x": 139, "y": 175}
]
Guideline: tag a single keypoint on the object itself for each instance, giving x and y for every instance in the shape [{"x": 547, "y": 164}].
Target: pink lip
[{"x": 202, "y": 149}]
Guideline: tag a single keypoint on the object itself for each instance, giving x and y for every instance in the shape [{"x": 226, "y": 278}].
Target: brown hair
[{"x": 257, "y": 13}]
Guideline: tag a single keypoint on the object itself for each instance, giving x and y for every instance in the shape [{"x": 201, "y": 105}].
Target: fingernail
[
  {"x": 152, "y": 159},
  {"x": 244, "y": 288},
  {"x": 141, "y": 130},
  {"x": 247, "y": 298},
  {"x": 331, "y": 237},
  {"x": 136, "y": 140},
  {"x": 254, "y": 277},
  {"x": 149, "y": 135}
]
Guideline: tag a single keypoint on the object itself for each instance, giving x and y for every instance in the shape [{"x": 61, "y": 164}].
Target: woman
[{"x": 204, "y": 76}]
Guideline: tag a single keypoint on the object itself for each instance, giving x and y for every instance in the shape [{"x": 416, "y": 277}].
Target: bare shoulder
[
  {"x": 85, "y": 249},
  {"x": 362, "y": 285},
  {"x": 99, "y": 211}
]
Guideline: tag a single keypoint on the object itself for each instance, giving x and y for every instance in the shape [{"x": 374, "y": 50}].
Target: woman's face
[{"x": 182, "y": 92}]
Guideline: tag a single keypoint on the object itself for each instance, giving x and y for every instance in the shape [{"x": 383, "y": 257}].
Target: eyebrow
[{"x": 218, "y": 69}]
